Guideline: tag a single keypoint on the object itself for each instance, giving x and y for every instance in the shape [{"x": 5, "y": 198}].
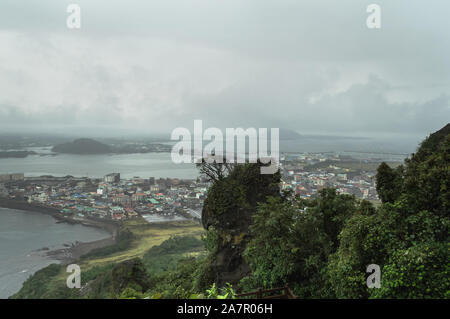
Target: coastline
[{"x": 70, "y": 254}]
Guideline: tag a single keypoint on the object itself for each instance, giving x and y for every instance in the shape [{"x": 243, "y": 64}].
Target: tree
[
  {"x": 215, "y": 168},
  {"x": 383, "y": 238},
  {"x": 366, "y": 239},
  {"x": 228, "y": 212},
  {"x": 427, "y": 177},
  {"x": 388, "y": 182},
  {"x": 420, "y": 271},
  {"x": 407, "y": 236},
  {"x": 291, "y": 241},
  {"x": 129, "y": 274}
]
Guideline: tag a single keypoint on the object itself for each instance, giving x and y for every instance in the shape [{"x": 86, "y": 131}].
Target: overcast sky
[{"x": 311, "y": 66}]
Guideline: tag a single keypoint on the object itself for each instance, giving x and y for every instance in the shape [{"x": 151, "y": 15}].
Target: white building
[{"x": 112, "y": 178}]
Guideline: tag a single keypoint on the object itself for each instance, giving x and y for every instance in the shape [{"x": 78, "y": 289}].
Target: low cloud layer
[{"x": 309, "y": 66}]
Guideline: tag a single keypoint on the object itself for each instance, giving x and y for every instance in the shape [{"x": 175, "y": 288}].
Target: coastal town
[
  {"x": 110, "y": 198},
  {"x": 306, "y": 174},
  {"x": 158, "y": 199}
]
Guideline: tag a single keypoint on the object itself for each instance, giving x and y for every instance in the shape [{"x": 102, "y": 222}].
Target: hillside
[
  {"x": 431, "y": 144},
  {"x": 83, "y": 146},
  {"x": 160, "y": 246},
  {"x": 86, "y": 146},
  {"x": 257, "y": 237}
]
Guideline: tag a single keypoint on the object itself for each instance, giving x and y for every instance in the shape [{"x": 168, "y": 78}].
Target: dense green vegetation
[
  {"x": 256, "y": 237},
  {"x": 37, "y": 285},
  {"x": 321, "y": 248},
  {"x": 292, "y": 240},
  {"x": 164, "y": 270},
  {"x": 166, "y": 256},
  {"x": 123, "y": 241},
  {"x": 227, "y": 214}
]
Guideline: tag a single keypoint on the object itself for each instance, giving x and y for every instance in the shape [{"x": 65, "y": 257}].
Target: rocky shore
[
  {"x": 69, "y": 254},
  {"x": 73, "y": 253}
]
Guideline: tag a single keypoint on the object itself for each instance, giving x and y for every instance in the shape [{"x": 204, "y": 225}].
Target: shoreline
[
  {"x": 76, "y": 251},
  {"x": 69, "y": 254}
]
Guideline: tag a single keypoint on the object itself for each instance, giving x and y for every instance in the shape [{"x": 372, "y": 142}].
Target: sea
[
  {"x": 26, "y": 236},
  {"x": 160, "y": 165},
  {"x": 96, "y": 166}
]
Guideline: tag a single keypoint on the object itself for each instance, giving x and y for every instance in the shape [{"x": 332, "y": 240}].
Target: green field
[
  {"x": 50, "y": 281},
  {"x": 146, "y": 236}
]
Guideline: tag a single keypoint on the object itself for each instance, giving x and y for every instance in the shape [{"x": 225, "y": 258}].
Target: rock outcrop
[{"x": 228, "y": 210}]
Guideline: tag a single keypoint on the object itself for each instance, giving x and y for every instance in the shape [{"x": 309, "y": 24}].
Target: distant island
[
  {"x": 87, "y": 146},
  {"x": 83, "y": 146}
]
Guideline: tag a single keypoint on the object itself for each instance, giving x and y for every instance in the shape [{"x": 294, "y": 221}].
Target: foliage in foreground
[{"x": 322, "y": 248}]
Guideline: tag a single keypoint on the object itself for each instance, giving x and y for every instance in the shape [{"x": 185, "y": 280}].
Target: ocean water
[
  {"x": 128, "y": 165},
  {"x": 22, "y": 236},
  {"x": 161, "y": 165}
]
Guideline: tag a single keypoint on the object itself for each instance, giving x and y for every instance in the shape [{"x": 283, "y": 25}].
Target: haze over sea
[{"x": 160, "y": 164}]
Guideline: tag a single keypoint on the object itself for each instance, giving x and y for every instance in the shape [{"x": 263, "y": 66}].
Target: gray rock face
[{"x": 229, "y": 209}]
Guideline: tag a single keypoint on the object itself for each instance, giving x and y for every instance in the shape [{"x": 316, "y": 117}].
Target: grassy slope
[{"x": 146, "y": 236}]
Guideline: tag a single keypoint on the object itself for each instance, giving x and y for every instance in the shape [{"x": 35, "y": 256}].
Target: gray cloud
[{"x": 311, "y": 66}]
